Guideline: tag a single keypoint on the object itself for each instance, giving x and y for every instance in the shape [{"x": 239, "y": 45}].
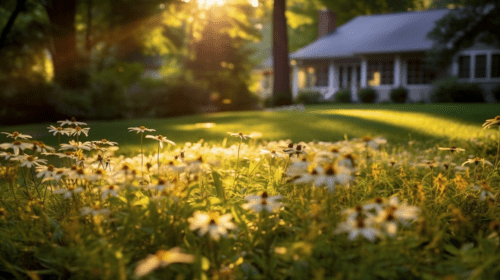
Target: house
[{"x": 383, "y": 51}]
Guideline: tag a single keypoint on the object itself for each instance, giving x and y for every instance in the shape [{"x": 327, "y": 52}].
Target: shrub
[
  {"x": 451, "y": 90},
  {"x": 309, "y": 97},
  {"x": 399, "y": 95},
  {"x": 367, "y": 95},
  {"x": 496, "y": 93},
  {"x": 343, "y": 96},
  {"x": 26, "y": 101}
]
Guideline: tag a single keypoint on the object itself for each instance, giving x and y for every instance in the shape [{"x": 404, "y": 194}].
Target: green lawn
[{"x": 431, "y": 123}]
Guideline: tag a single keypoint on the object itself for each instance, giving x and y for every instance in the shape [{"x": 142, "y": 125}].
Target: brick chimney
[{"x": 327, "y": 21}]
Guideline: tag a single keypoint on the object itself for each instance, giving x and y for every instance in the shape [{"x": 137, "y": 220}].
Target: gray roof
[{"x": 384, "y": 33}]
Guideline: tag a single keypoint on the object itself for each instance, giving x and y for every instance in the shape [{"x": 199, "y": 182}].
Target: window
[
  {"x": 310, "y": 77},
  {"x": 495, "y": 65},
  {"x": 380, "y": 73},
  {"x": 480, "y": 68},
  {"x": 322, "y": 76},
  {"x": 417, "y": 73},
  {"x": 464, "y": 66}
]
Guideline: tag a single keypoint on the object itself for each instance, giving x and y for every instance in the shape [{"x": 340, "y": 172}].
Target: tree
[
  {"x": 471, "y": 21},
  {"x": 282, "y": 94}
]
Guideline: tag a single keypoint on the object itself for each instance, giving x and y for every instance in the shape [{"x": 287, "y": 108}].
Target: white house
[{"x": 383, "y": 51}]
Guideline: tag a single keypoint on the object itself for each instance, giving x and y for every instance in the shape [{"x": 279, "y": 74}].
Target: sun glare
[{"x": 211, "y": 2}]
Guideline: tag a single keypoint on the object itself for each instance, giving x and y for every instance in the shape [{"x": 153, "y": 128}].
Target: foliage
[
  {"x": 399, "y": 95},
  {"x": 343, "y": 96},
  {"x": 471, "y": 21},
  {"x": 309, "y": 97},
  {"x": 451, "y": 90},
  {"x": 367, "y": 95}
]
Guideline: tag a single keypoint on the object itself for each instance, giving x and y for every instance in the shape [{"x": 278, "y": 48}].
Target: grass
[
  {"x": 343, "y": 210},
  {"x": 437, "y": 123}
]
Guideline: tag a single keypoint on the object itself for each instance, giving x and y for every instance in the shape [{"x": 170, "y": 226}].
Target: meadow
[{"x": 332, "y": 192}]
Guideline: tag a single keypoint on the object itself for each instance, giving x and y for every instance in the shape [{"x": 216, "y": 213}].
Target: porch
[{"x": 381, "y": 72}]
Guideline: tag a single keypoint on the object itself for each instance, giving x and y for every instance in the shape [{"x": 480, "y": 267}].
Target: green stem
[
  {"x": 142, "y": 158},
  {"x": 158, "y": 161},
  {"x": 237, "y": 164},
  {"x": 498, "y": 149}
]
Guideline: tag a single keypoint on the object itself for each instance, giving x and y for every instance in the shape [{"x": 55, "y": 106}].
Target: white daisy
[
  {"x": 258, "y": 203},
  {"x": 212, "y": 222}
]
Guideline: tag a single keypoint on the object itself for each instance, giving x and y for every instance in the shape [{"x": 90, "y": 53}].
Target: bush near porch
[{"x": 451, "y": 90}]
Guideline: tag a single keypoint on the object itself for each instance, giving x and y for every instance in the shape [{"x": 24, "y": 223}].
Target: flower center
[
  {"x": 17, "y": 143},
  {"x": 329, "y": 170},
  {"x": 30, "y": 158},
  {"x": 50, "y": 167},
  {"x": 59, "y": 128},
  {"x": 142, "y": 127},
  {"x": 15, "y": 133}
]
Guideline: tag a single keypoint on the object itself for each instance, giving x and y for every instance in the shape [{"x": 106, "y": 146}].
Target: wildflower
[
  {"x": 15, "y": 146},
  {"x": 69, "y": 192},
  {"x": 258, "y": 203},
  {"x": 239, "y": 134},
  {"x": 109, "y": 190},
  {"x": 374, "y": 143},
  {"x": 45, "y": 172},
  {"x": 57, "y": 130},
  {"x": 78, "y": 130},
  {"x": 460, "y": 182},
  {"x": 452, "y": 149},
  {"x": 162, "y": 185},
  {"x": 140, "y": 129},
  {"x": 73, "y": 145},
  {"x": 162, "y": 258},
  {"x": 347, "y": 161},
  {"x": 491, "y": 122},
  {"x": 272, "y": 153},
  {"x": 30, "y": 161},
  {"x": 105, "y": 142},
  {"x": 428, "y": 163},
  {"x": 161, "y": 140},
  {"x": 359, "y": 226},
  {"x": 39, "y": 146},
  {"x": 94, "y": 210},
  {"x": 71, "y": 122},
  {"x": 16, "y": 135},
  {"x": 440, "y": 182},
  {"x": 212, "y": 222},
  {"x": 485, "y": 191},
  {"x": 476, "y": 161},
  {"x": 387, "y": 219},
  {"x": 6, "y": 155},
  {"x": 294, "y": 151}
]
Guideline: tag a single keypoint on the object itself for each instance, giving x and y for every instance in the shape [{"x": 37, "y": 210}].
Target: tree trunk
[
  {"x": 19, "y": 8},
  {"x": 282, "y": 95},
  {"x": 64, "y": 54}
]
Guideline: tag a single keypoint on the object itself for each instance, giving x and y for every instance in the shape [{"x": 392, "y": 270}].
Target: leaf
[{"x": 218, "y": 185}]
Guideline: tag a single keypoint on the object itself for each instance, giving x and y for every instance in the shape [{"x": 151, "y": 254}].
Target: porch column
[
  {"x": 354, "y": 84},
  {"x": 332, "y": 79},
  {"x": 344, "y": 77},
  {"x": 397, "y": 71},
  {"x": 295, "y": 81},
  {"x": 364, "y": 70}
]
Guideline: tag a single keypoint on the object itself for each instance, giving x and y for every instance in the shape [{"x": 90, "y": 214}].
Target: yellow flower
[{"x": 440, "y": 182}]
